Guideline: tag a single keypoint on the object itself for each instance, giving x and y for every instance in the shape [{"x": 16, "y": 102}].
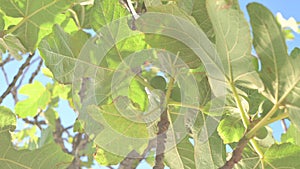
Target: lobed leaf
[
  {"x": 37, "y": 18},
  {"x": 233, "y": 43},
  {"x": 38, "y": 98},
  {"x": 280, "y": 72}
]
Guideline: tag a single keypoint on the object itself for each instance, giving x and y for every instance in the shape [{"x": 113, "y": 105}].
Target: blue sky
[{"x": 288, "y": 8}]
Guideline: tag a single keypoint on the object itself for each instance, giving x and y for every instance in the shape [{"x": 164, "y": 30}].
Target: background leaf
[
  {"x": 38, "y": 98},
  {"x": 7, "y": 118}
]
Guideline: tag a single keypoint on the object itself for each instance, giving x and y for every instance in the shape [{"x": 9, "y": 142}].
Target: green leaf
[
  {"x": 2, "y": 23},
  {"x": 106, "y": 158},
  {"x": 291, "y": 136},
  {"x": 171, "y": 44},
  {"x": 13, "y": 45},
  {"x": 282, "y": 156},
  {"x": 51, "y": 116},
  {"x": 82, "y": 16},
  {"x": 138, "y": 95},
  {"x": 209, "y": 153},
  {"x": 38, "y": 98},
  {"x": 199, "y": 11},
  {"x": 152, "y": 3},
  {"x": 181, "y": 156},
  {"x": 61, "y": 91},
  {"x": 46, "y": 137},
  {"x": 35, "y": 16},
  {"x": 78, "y": 126},
  {"x": 233, "y": 43},
  {"x": 176, "y": 94},
  {"x": 277, "y": 156},
  {"x": 60, "y": 52},
  {"x": 7, "y": 118},
  {"x": 106, "y": 11},
  {"x": 47, "y": 157},
  {"x": 231, "y": 129},
  {"x": 124, "y": 134},
  {"x": 280, "y": 72}
]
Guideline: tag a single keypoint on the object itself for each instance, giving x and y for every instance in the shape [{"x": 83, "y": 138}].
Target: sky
[{"x": 288, "y": 8}]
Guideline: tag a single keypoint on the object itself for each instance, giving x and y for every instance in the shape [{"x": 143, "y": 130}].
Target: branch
[
  {"x": 130, "y": 161},
  {"x": 16, "y": 77},
  {"x": 133, "y": 158},
  {"x": 163, "y": 126},
  {"x": 57, "y": 134},
  {"x": 35, "y": 73},
  {"x": 35, "y": 122},
  {"x": 79, "y": 143},
  {"x": 236, "y": 154},
  {"x": 8, "y": 59},
  {"x": 284, "y": 126}
]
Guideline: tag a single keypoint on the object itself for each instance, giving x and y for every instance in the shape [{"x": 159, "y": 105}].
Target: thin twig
[
  {"x": 14, "y": 93},
  {"x": 284, "y": 126},
  {"x": 5, "y": 75},
  {"x": 16, "y": 77},
  {"x": 58, "y": 136},
  {"x": 8, "y": 59},
  {"x": 22, "y": 78},
  {"x": 25, "y": 71},
  {"x": 35, "y": 73}
]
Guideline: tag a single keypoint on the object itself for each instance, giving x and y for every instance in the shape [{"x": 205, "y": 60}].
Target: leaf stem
[
  {"x": 169, "y": 90},
  {"x": 262, "y": 122},
  {"x": 245, "y": 120},
  {"x": 16, "y": 77},
  {"x": 175, "y": 103},
  {"x": 256, "y": 148},
  {"x": 142, "y": 82},
  {"x": 277, "y": 118},
  {"x": 244, "y": 116}
]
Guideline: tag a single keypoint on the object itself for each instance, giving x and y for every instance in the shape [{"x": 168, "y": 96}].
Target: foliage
[{"x": 172, "y": 85}]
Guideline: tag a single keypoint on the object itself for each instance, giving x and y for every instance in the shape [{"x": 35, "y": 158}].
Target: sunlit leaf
[
  {"x": 291, "y": 136},
  {"x": 60, "y": 51},
  {"x": 35, "y": 16},
  {"x": 106, "y": 158},
  {"x": 233, "y": 43},
  {"x": 231, "y": 129},
  {"x": 106, "y": 11},
  {"x": 280, "y": 72},
  {"x": 38, "y": 98}
]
